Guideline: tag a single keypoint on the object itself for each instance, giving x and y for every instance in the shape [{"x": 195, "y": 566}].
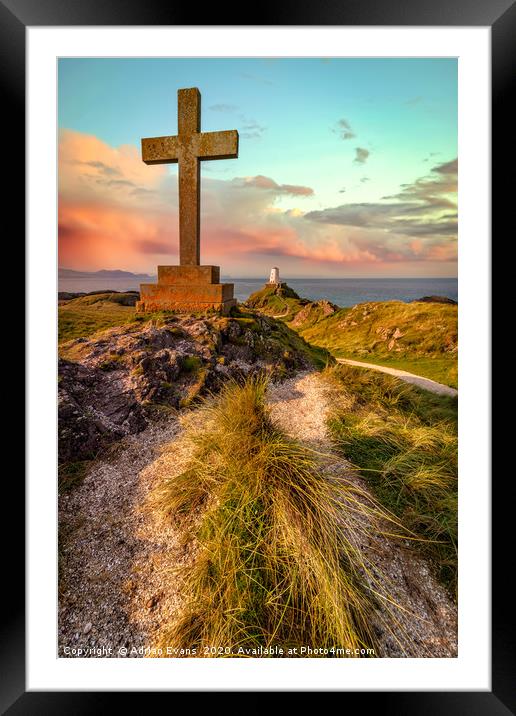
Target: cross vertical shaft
[
  {"x": 189, "y": 122},
  {"x": 187, "y": 149}
]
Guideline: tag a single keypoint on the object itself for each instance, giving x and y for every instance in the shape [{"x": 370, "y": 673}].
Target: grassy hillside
[
  {"x": 419, "y": 337},
  {"x": 80, "y": 317},
  {"x": 276, "y": 301},
  {"x": 404, "y": 440}
]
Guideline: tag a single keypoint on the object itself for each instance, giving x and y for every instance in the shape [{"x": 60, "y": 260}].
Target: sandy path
[
  {"x": 282, "y": 315},
  {"x": 418, "y": 380},
  {"x": 119, "y": 580},
  {"x": 116, "y": 583},
  {"x": 428, "y": 627}
]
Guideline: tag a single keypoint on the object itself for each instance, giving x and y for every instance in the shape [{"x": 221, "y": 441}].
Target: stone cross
[{"x": 188, "y": 149}]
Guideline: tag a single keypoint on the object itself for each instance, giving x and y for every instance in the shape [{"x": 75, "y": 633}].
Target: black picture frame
[{"x": 500, "y": 16}]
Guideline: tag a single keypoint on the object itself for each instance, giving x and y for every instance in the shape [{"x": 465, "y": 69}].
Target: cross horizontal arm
[
  {"x": 217, "y": 145},
  {"x": 160, "y": 150}
]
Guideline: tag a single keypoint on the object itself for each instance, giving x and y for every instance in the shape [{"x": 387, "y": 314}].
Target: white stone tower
[{"x": 274, "y": 277}]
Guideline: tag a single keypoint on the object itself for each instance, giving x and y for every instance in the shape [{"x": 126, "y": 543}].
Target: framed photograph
[{"x": 258, "y": 268}]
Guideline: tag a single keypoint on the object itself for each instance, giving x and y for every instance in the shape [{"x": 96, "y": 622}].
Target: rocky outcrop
[
  {"x": 266, "y": 299},
  {"x": 312, "y": 312},
  {"x": 114, "y": 383},
  {"x": 95, "y": 407},
  {"x": 436, "y": 299},
  {"x": 389, "y": 334}
]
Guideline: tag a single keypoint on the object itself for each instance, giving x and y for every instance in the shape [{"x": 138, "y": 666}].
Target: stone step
[
  {"x": 191, "y": 297},
  {"x": 185, "y": 275}
]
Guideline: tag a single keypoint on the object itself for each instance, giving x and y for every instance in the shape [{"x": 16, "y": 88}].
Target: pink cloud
[
  {"x": 261, "y": 182},
  {"x": 116, "y": 212}
]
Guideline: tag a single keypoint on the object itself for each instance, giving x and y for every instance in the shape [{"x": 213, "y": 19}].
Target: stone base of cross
[
  {"x": 189, "y": 286},
  {"x": 187, "y": 289}
]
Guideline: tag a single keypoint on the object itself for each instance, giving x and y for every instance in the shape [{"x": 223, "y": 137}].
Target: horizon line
[{"x": 369, "y": 277}]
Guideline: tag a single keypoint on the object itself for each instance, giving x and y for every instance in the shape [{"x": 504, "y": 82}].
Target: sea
[{"x": 342, "y": 291}]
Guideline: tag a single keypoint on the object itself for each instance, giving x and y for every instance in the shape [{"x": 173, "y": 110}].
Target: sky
[{"x": 347, "y": 167}]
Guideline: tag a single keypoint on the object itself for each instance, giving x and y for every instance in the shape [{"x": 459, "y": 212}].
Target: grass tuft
[
  {"x": 278, "y": 561},
  {"x": 71, "y": 474},
  {"x": 404, "y": 440}
]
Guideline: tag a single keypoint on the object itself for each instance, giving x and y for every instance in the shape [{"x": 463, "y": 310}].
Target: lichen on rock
[{"x": 111, "y": 383}]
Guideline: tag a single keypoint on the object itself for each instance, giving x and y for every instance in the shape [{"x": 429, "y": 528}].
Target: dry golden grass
[
  {"x": 85, "y": 315},
  {"x": 278, "y": 560},
  {"x": 404, "y": 440}
]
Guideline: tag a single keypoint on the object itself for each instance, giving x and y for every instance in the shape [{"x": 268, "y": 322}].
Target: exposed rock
[
  {"x": 313, "y": 311},
  {"x": 95, "y": 407},
  {"x": 112, "y": 384},
  {"x": 435, "y": 299}
]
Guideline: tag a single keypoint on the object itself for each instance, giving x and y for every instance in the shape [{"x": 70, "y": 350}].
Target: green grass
[
  {"x": 404, "y": 441},
  {"x": 114, "y": 361},
  {"x": 194, "y": 389},
  {"x": 281, "y": 334},
  {"x": 366, "y": 333},
  {"x": 293, "y": 342},
  {"x": 190, "y": 364},
  {"x": 84, "y": 316},
  {"x": 276, "y": 301},
  {"x": 273, "y": 565},
  {"x": 71, "y": 474},
  {"x": 418, "y": 337},
  {"x": 442, "y": 370}
]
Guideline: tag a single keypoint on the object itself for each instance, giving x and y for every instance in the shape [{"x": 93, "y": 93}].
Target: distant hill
[
  {"x": 436, "y": 299},
  {"x": 103, "y": 273}
]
